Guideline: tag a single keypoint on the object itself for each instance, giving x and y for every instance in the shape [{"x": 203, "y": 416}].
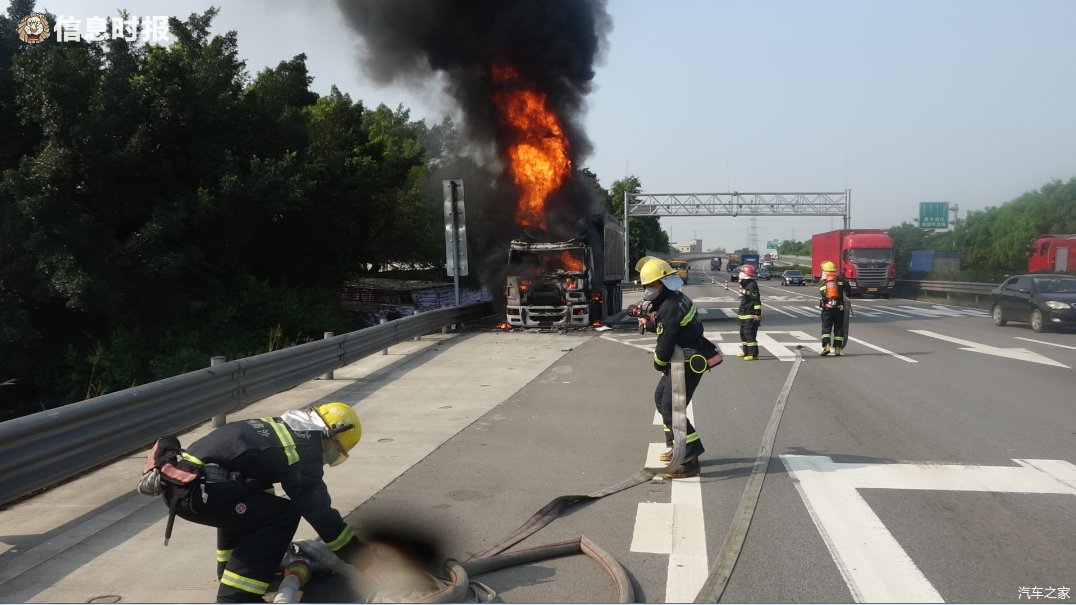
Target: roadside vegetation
[{"x": 160, "y": 205}]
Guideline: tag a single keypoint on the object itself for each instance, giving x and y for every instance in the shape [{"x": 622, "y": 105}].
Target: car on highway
[
  {"x": 765, "y": 274},
  {"x": 733, "y": 269},
  {"x": 1043, "y": 300},
  {"x": 792, "y": 277}
]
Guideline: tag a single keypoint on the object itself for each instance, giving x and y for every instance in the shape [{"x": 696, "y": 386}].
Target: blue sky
[{"x": 970, "y": 102}]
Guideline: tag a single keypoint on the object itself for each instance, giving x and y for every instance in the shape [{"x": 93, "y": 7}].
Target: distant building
[{"x": 693, "y": 246}]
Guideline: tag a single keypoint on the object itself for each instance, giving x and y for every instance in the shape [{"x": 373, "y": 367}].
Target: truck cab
[{"x": 681, "y": 267}]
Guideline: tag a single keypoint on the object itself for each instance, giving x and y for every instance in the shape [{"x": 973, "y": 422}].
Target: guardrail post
[
  {"x": 385, "y": 351},
  {"x": 220, "y": 419},
  {"x": 328, "y": 375}
]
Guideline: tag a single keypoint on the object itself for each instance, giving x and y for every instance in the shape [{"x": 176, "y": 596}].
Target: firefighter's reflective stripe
[
  {"x": 230, "y": 578},
  {"x": 693, "y": 437},
  {"x": 223, "y": 556},
  {"x": 659, "y": 361},
  {"x": 747, "y": 316},
  {"x": 284, "y": 436},
  {"x": 659, "y": 329},
  {"x": 189, "y": 457},
  {"x": 688, "y": 316},
  {"x": 345, "y": 536}
]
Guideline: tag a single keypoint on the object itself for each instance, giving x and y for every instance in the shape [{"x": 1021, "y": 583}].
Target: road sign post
[
  {"x": 455, "y": 232},
  {"x": 934, "y": 215}
]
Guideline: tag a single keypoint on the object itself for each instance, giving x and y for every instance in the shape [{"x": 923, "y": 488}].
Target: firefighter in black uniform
[
  {"x": 832, "y": 290},
  {"x": 750, "y": 313},
  {"x": 676, "y": 322},
  {"x": 237, "y": 466}
]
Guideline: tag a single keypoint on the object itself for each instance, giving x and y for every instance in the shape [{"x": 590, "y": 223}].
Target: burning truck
[{"x": 566, "y": 284}]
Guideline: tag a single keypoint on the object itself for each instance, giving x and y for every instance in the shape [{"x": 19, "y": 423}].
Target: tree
[{"x": 644, "y": 233}]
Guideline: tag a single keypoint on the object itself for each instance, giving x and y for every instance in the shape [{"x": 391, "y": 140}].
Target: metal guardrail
[
  {"x": 44, "y": 448},
  {"x": 946, "y": 287}
]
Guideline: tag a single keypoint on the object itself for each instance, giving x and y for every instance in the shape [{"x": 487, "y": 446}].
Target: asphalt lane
[
  {"x": 909, "y": 429},
  {"x": 934, "y": 461}
]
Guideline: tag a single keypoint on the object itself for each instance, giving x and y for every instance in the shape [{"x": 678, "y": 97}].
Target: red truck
[
  {"x": 1052, "y": 253},
  {"x": 863, "y": 256}
]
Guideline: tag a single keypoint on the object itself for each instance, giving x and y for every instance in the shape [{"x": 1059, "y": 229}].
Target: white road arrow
[
  {"x": 1012, "y": 353},
  {"x": 874, "y": 565}
]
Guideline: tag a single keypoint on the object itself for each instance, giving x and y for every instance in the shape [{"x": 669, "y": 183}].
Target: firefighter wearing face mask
[
  {"x": 750, "y": 313},
  {"x": 237, "y": 466},
  {"x": 832, "y": 290},
  {"x": 675, "y": 320}
]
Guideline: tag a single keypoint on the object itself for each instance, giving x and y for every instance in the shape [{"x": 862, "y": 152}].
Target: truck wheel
[
  {"x": 1036, "y": 321},
  {"x": 999, "y": 317}
]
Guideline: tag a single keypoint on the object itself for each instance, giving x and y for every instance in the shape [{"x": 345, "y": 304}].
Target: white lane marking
[
  {"x": 676, "y": 528},
  {"x": 767, "y": 341},
  {"x": 873, "y": 564},
  {"x": 871, "y": 561},
  {"x": 1053, "y": 344},
  {"x": 1011, "y": 353},
  {"x": 779, "y": 310},
  {"x": 688, "y": 566},
  {"x": 940, "y": 311},
  {"x": 883, "y": 350},
  {"x": 883, "y": 310}
]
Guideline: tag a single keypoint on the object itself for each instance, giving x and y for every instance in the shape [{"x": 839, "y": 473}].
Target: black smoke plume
[{"x": 553, "y": 45}]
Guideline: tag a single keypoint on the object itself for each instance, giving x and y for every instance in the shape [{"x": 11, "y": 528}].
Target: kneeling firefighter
[
  {"x": 676, "y": 322},
  {"x": 225, "y": 480}
]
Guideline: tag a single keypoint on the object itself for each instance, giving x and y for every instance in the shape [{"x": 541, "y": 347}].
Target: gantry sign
[{"x": 737, "y": 204}]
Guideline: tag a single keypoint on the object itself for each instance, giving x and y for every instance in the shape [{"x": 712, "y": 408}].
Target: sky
[{"x": 971, "y": 102}]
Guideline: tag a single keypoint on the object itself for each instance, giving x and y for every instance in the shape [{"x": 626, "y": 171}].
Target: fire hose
[{"x": 454, "y": 585}]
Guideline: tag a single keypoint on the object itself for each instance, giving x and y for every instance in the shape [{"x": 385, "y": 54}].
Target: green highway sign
[{"x": 934, "y": 215}]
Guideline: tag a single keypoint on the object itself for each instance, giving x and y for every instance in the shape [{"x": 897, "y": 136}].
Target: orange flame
[
  {"x": 570, "y": 262},
  {"x": 538, "y": 157}
]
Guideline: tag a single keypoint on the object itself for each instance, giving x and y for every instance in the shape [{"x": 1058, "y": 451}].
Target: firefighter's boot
[
  {"x": 825, "y": 350},
  {"x": 690, "y": 468},
  {"x": 837, "y": 351}
]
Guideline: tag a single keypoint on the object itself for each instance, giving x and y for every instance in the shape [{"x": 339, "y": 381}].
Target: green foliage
[
  {"x": 644, "y": 233},
  {"x": 159, "y": 206},
  {"x": 793, "y": 248}
]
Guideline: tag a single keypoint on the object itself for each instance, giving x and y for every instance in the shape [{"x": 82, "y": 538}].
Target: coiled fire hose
[{"x": 455, "y": 584}]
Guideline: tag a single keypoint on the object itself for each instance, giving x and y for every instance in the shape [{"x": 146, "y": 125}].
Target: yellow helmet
[
  {"x": 344, "y": 430},
  {"x": 651, "y": 269},
  {"x": 829, "y": 267}
]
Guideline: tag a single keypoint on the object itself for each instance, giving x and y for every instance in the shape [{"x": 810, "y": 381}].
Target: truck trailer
[
  {"x": 864, "y": 257},
  {"x": 1052, "y": 253},
  {"x": 566, "y": 284}
]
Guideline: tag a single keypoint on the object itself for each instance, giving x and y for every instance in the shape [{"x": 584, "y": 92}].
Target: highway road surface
[{"x": 934, "y": 462}]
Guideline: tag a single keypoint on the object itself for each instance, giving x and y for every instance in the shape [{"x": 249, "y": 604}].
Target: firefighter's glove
[
  {"x": 354, "y": 552},
  {"x": 664, "y": 369}
]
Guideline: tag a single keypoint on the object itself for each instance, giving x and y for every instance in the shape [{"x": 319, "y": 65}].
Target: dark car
[
  {"x": 1044, "y": 300},
  {"x": 792, "y": 277},
  {"x": 734, "y": 270},
  {"x": 764, "y": 273},
  {"x": 715, "y": 263}
]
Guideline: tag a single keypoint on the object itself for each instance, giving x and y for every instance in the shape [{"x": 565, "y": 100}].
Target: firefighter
[
  {"x": 237, "y": 466},
  {"x": 750, "y": 312},
  {"x": 676, "y": 322},
  {"x": 832, "y": 290}
]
